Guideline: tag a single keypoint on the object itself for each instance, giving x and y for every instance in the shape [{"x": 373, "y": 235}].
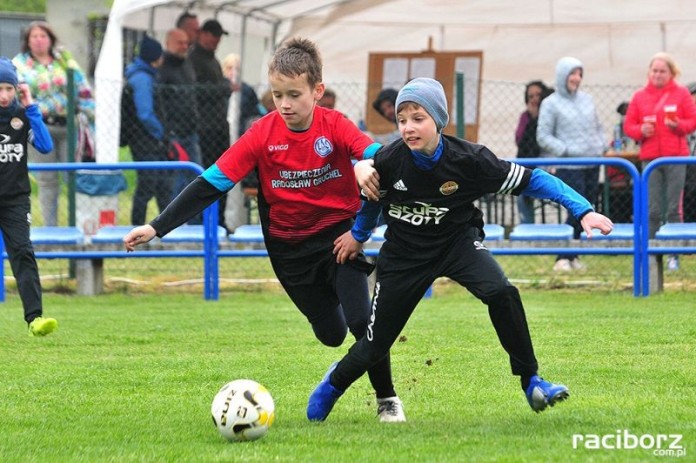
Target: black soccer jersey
[
  {"x": 426, "y": 209},
  {"x": 24, "y": 126}
]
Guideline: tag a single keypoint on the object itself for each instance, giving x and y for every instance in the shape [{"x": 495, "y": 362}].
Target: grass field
[{"x": 130, "y": 379}]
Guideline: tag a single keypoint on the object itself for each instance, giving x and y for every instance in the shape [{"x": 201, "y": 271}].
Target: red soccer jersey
[{"x": 307, "y": 177}]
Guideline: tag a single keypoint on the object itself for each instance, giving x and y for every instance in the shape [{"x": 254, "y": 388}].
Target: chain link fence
[{"x": 202, "y": 109}]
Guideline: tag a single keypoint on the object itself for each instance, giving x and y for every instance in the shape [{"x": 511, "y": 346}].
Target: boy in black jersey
[
  {"x": 20, "y": 123},
  {"x": 426, "y": 184}
]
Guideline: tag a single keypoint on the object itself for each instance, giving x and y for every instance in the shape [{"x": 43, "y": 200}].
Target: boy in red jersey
[{"x": 308, "y": 199}]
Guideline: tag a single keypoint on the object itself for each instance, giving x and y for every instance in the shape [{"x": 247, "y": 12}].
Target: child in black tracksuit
[
  {"x": 426, "y": 184},
  {"x": 20, "y": 123}
]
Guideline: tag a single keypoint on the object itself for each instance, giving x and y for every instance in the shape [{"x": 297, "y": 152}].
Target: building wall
[
  {"x": 11, "y": 28},
  {"x": 69, "y": 19}
]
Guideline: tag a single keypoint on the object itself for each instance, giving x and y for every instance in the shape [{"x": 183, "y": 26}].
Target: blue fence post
[
  {"x": 211, "y": 259},
  {"x": 645, "y": 242}
]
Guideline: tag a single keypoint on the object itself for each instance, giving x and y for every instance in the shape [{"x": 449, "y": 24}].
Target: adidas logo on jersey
[{"x": 400, "y": 186}]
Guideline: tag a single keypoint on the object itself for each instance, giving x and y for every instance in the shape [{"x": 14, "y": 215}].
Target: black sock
[{"x": 525, "y": 380}]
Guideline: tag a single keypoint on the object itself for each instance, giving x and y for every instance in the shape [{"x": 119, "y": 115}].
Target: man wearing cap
[
  {"x": 147, "y": 140},
  {"x": 202, "y": 55},
  {"x": 213, "y": 98}
]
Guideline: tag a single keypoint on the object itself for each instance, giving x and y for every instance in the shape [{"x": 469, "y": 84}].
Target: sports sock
[{"x": 525, "y": 380}]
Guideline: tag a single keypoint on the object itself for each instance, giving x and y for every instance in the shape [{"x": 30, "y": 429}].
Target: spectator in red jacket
[{"x": 660, "y": 116}]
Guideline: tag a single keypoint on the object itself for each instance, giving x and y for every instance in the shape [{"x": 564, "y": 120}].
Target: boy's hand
[
  {"x": 596, "y": 220},
  {"x": 24, "y": 91},
  {"x": 138, "y": 235},
  {"x": 368, "y": 179},
  {"x": 346, "y": 248}
]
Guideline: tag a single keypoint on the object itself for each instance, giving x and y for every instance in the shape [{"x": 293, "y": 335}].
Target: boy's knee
[
  {"x": 502, "y": 295},
  {"x": 357, "y": 329},
  {"x": 24, "y": 251},
  {"x": 331, "y": 338}
]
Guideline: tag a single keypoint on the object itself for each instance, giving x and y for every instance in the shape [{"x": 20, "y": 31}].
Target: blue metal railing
[
  {"x": 637, "y": 250},
  {"x": 210, "y": 223},
  {"x": 211, "y": 252},
  {"x": 645, "y": 239}
]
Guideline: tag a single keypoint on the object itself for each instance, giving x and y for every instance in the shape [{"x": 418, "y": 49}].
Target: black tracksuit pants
[
  {"x": 15, "y": 222},
  {"x": 333, "y": 297},
  {"x": 404, "y": 275}
]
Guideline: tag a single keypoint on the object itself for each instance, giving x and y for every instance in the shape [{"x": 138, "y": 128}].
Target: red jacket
[{"x": 651, "y": 101}]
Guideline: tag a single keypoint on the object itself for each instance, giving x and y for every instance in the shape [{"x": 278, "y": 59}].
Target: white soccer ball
[{"x": 243, "y": 410}]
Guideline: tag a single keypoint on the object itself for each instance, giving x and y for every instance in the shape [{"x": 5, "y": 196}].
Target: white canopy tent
[
  {"x": 255, "y": 27},
  {"x": 520, "y": 40}
]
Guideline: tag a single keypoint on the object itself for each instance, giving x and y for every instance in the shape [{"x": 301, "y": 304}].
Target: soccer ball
[{"x": 243, "y": 410}]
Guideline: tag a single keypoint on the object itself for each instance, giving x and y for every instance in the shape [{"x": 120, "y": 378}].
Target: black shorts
[{"x": 312, "y": 261}]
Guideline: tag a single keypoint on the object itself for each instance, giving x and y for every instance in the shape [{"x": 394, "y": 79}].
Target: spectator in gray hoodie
[{"x": 569, "y": 127}]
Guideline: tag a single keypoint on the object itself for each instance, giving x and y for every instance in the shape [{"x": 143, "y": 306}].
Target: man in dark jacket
[
  {"x": 213, "y": 93},
  {"x": 176, "y": 90},
  {"x": 213, "y": 98}
]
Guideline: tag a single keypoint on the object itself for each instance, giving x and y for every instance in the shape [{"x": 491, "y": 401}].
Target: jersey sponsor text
[
  {"x": 422, "y": 214},
  {"x": 11, "y": 152},
  {"x": 305, "y": 178}
]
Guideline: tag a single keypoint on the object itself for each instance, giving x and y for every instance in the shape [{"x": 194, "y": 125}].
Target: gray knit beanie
[{"x": 429, "y": 94}]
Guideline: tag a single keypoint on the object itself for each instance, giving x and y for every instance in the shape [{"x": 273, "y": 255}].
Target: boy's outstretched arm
[
  {"x": 138, "y": 235},
  {"x": 595, "y": 220},
  {"x": 198, "y": 195},
  {"x": 543, "y": 185}
]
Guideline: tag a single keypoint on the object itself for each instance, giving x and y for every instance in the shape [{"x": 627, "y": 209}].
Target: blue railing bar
[
  {"x": 212, "y": 253},
  {"x": 672, "y": 250},
  {"x": 645, "y": 239},
  {"x": 210, "y": 215},
  {"x": 637, "y": 204}
]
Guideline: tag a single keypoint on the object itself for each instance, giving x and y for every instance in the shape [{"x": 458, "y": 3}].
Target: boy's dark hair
[
  {"x": 622, "y": 107},
  {"x": 545, "y": 91},
  {"x": 295, "y": 57},
  {"x": 183, "y": 17},
  {"x": 387, "y": 94}
]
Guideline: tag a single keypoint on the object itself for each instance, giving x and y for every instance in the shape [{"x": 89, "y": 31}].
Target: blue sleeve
[
  {"x": 41, "y": 137},
  {"x": 366, "y": 220},
  {"x": 370, "y": 151},
  {"x": 215, "y": 177},
  {"x": 143, "y": 97},
  {"x": 543, "y": 185}
]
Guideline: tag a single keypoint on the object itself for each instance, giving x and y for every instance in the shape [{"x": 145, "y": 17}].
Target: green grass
[
  {"x": 130, "y": 379},
  {"x": 24, "y": 6}
]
